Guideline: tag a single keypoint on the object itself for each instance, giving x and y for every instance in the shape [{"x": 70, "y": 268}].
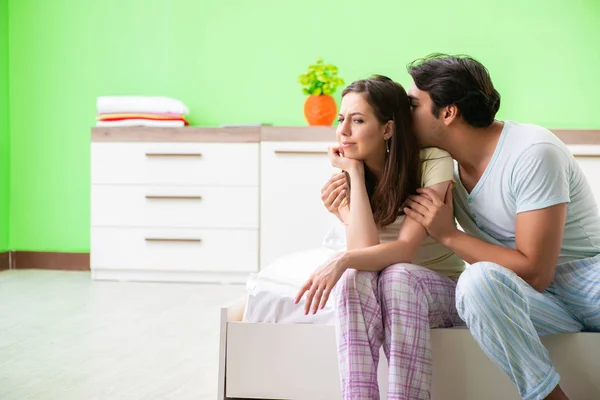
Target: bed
[{"x": 270, "y": 350}]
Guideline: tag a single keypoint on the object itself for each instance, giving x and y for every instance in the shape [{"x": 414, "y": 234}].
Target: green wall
[
  {"x": 4, "y": 126},
  {"x": 237, "y": 61}
]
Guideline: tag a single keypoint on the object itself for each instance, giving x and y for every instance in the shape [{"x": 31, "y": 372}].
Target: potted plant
[{"x": 320, "y": 82}]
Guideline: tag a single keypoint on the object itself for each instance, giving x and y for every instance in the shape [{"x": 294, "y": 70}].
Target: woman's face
[{"x": 359, "y": 133}]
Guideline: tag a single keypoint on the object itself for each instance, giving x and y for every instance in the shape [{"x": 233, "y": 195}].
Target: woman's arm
[
  {"x": 361, "y": 230},
  {"x": 410, "y": 238},
  {"x": 374, "y": 258}
]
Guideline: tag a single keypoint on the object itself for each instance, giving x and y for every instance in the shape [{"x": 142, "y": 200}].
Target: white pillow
[
  {"x": 293, "y": 269},
  {"x": 271, "y": 292},
  {"x": 335, "y": 238}
]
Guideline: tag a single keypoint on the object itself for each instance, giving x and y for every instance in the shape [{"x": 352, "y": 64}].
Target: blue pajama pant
[{"x": 506, "y": 316}]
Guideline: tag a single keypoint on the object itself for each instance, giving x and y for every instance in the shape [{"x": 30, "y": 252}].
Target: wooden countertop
[
  {"x": 578, "y": 136},
  {"x": 273, "y": 134},
  {"x": 297, "y": 134},
  {"x": 188, "y": 134}
]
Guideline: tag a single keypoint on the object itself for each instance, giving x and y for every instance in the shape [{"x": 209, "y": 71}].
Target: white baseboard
[{"x": 132, "y": 275}]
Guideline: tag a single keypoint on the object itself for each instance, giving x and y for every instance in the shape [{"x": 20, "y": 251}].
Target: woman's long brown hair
[{"x": 401, "y": 174}]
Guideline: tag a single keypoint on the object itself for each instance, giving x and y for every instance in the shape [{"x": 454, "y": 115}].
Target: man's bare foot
[{"x": 557, "y": 394}]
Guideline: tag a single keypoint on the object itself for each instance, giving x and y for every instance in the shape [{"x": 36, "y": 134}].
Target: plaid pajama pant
[
  {"x": 507, "y": 316},
  {"x": 394, "y": 308}
]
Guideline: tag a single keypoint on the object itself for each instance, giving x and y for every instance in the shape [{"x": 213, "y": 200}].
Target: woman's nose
[{"x": 344, "y": 128}]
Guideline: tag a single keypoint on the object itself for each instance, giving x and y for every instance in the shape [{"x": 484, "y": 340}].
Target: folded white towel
[
  {"x": 140, "y": 104},
  {"x": 141, "y": 122}
]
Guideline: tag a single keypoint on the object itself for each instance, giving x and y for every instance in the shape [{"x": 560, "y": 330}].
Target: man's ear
[
  {"x": 449, "y": 114},
  {"x": 388, "y": 130}
]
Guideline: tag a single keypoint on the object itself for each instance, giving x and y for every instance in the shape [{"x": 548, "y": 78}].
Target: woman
[{"x": 395, "y": 283}]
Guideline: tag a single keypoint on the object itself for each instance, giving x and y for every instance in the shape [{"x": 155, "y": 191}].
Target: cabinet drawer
[
  {"x": 176, "y": 207},
  {"x": 590, "y": 165},
  {"x": 292, "y": 217},
  {"x": 218, "y": 164},
  {"x": 175, "y": 249}
]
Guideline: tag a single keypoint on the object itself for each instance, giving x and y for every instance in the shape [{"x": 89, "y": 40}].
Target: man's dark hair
[{"x": 459, "y": 80}]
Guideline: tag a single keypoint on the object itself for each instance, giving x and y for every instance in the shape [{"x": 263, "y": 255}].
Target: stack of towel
[{"x": 161, "y": 112}]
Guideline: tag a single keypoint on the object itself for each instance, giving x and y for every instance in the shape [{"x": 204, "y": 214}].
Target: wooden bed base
[{"x": 299, "y": 362}]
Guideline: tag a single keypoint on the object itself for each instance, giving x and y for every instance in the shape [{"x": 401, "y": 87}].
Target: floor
[{"x": 63, "y": 336}]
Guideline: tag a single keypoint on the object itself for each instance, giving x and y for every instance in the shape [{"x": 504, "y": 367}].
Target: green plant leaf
[{"x": 320, "y": 78}]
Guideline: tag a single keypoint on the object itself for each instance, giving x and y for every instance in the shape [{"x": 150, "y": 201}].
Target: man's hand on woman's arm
[{"x": 335, "y": 196}]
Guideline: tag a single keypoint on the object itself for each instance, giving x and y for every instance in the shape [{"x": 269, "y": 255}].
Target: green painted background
[
  {"x": 237, "y": 61},
  {"x": 4, "y": 126}
]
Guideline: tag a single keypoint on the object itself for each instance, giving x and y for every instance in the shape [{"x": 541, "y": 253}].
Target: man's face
[{"x": 426, "y": 126}]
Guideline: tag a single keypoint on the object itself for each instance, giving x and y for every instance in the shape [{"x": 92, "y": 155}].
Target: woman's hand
[
  {"x": 321, "y": 282},
  {"x": 350, "y": 165},
  {"x": 335, "y": 196}
]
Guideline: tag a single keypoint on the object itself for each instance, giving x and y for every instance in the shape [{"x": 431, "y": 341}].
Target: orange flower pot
[{"x": 320, "y": 110}]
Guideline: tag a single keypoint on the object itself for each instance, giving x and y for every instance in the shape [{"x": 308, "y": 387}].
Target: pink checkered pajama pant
[{"x": 395, "y": 308}]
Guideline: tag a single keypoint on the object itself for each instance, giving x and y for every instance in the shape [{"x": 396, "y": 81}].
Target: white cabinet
[
  {"x": 206, "y": 255},
  {"x": 215, "y": 211},
  {"x": 591, "y": 168},
  {"x": 215, "y": 207},
  {"x": 164, "y": 163},
  {"x": 292, "y": 216},
  {"x": 588, "y": 157},
  {"x": 174, "y": 211}
]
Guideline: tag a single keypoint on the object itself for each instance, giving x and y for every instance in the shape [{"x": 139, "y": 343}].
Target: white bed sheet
[{"x": 271, "y": 292}]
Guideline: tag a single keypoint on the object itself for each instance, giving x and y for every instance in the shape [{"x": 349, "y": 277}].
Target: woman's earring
[{"x": 387, "y": 146}]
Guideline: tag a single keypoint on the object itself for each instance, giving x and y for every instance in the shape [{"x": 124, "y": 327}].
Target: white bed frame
[{"x": 299, "y": 362}]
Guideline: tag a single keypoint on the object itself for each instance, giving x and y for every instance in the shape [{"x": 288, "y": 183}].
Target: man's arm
[
  {"x": 540, "y": 186},
  {"x": 538, "y": 237}
]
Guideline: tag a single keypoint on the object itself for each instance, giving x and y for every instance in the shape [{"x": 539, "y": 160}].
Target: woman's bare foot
[{"x": 557, "y": 394}]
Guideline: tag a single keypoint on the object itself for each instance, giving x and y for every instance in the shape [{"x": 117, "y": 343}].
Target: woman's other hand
[
  {"x": 321, "y": 282},
  {"x": 337, "y": 159}
]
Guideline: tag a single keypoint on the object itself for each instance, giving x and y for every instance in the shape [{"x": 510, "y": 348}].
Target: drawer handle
[
  {"x": 300, "y": 151},
  {"x": 172, "y": 240},
  {"x": 152, "y": 197},
  {"x": 173, "y": 154},
  {"x": 587, "y": 156}
]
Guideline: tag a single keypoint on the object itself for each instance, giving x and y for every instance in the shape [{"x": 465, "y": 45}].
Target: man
[{"x": 531, "y": 225}]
